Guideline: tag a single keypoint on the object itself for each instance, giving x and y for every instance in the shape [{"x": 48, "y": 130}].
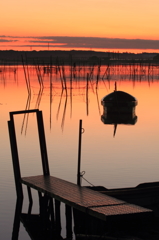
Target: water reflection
[
  {"x": 16, "y": 223},
  {"x": 136, "y": 165},
  {"x": 36, "y": 226},
  {"x": 115, "y": 119},
  {"x": 45, "y": 225}
]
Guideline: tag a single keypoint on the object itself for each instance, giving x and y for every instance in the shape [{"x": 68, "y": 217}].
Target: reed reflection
[
  {"x": 26, "y": 115},
  {"x": 78, "y": 80}
]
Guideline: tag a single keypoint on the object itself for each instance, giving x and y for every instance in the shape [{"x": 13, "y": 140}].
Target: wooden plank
[
  {"x": 81, "y": 198},
  {"x": 122, "y": 209}
]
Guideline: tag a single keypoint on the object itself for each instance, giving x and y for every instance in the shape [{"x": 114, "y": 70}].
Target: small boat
[
  {"x": 144, "y": 195},
  {"x": 128, "y": 226},
  {"x": 119, "y": 102},
  {"x": 119, "y": 108}
]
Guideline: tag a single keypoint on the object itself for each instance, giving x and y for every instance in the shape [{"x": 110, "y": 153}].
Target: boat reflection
[{"x": 118, "y": 118}]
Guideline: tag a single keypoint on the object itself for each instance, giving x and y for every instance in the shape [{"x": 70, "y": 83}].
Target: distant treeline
[{"x": 74, "y": 57}]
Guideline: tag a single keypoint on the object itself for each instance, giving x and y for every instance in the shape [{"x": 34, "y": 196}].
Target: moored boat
[{"x": 119, "y": 102}]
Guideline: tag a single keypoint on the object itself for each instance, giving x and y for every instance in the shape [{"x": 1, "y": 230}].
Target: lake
[{"x": 65, "y": 95}]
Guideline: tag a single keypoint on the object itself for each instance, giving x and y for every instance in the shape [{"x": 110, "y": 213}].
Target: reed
[
  {"x": 51, "y": 96},
  {"x": 64, "y": 79},
  {"x": 26, "y": 74},
  {"x": 27, "y": 79},
  {"x": 87, "y": 100},
  {"x": 98, "y": 74}
]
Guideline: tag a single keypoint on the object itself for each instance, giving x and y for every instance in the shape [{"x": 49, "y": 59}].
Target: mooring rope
[{"x": 82, "y": 174}]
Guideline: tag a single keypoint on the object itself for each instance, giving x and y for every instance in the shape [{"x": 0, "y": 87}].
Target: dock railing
[{"x": 14, "y": 148}]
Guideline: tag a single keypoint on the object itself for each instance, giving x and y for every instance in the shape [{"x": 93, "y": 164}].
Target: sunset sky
[{"x": 99, "y": 25}]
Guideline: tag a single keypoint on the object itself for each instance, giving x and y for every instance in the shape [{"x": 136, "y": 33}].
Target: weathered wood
[{"x": 81, "y": 198}]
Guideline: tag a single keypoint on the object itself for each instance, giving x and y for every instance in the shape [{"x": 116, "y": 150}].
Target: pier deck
[{"x": 86, "y": 200}]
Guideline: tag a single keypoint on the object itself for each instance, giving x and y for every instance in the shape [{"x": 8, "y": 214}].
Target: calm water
[{"x": 124, "y": 160}]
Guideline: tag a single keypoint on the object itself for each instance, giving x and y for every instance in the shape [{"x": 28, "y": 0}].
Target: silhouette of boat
[
  {"x": 119, "y": 102},
  {"x": 144, "y": 195},
  {"x": 126, "y": 226},
  {"x": 119, "y": 108}
]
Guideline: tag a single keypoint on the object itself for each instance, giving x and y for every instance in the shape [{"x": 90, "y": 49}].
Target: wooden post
[
  {"x": 30, "y": 200},
  {"x": 15, "y": 158},
  {"x": 69, "y": 232},
  {"x": 58, "y": 218},
  {"x": 43, "y": 149},
  {"x": 51, "y": 210},
  {"x": 14, "y": 149},
  {"x": 81, "y": 130}
]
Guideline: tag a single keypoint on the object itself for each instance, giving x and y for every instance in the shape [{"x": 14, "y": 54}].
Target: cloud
[
  {"x": 81, "y": 42},
  {"x": 5, "y": 40},
  {"x": 94, "y": 42}
]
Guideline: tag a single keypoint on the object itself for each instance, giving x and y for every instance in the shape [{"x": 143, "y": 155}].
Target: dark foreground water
[{"x": 124, "y": 160}]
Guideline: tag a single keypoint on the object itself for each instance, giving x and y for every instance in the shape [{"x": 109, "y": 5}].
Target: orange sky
[{"x": 137, "y": 19}]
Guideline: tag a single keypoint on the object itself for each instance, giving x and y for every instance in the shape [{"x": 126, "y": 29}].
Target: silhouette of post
[{"x": 79, "y": 153}]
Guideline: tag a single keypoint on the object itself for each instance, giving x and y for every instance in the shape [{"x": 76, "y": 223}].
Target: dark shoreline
[{"x": 11, "y": 57}]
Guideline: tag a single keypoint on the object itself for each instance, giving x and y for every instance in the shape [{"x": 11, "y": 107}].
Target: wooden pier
[
  {"x": 82, "y": 198},
  {"x": 76, "y": 197}
]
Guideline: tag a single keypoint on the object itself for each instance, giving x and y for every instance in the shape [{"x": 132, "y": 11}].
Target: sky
[{"x": 100, "y": 25}]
